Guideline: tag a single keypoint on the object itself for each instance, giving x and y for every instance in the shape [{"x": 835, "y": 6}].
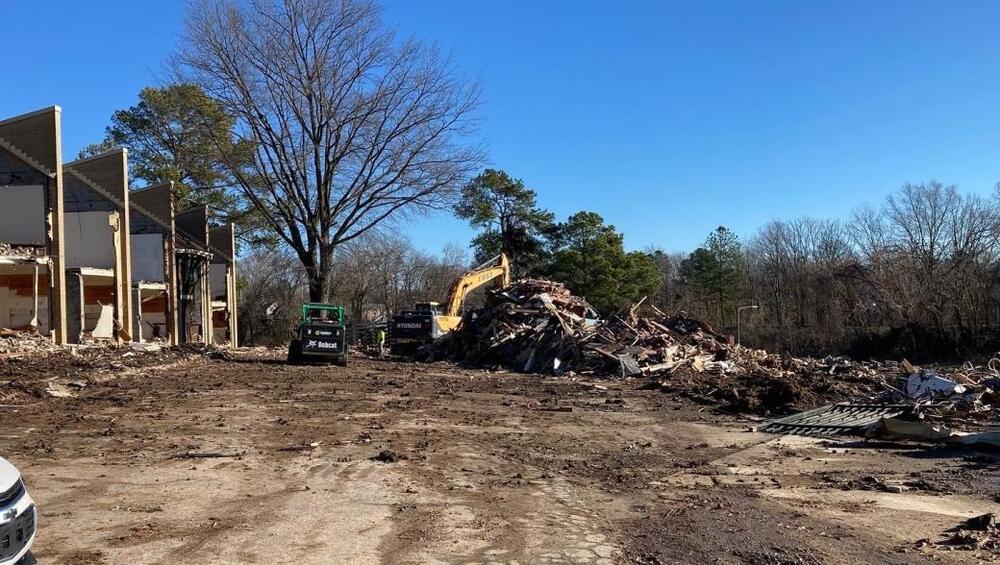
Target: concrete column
[
  {"x": 57, "y": 245},
  {"x": 137, "y": 313},
  {"x": 124, "y": 281},
  {"x": 206, "y": 288},
  {"x": 172, "y": 308},
  {"x": 74, "y": 308},
  {"x": 231, "y": 303}
]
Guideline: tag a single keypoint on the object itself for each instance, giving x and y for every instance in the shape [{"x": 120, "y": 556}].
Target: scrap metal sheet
[{"x": 836, "y": 419}]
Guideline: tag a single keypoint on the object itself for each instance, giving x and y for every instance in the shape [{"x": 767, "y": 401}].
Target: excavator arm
[{"x": 497, "y": 267}]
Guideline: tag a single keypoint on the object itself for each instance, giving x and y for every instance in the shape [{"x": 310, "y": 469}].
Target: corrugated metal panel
[{"x": 836, "y": 419}]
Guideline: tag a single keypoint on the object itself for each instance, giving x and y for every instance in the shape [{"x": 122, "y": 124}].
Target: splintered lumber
[{"x": 536, "y": 325}]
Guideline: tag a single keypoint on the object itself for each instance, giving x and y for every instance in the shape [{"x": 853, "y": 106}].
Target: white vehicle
[{"x": 17, "y": 516}]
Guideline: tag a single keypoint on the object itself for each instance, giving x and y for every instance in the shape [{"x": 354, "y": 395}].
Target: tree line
[{"x": 917, "y": 274}]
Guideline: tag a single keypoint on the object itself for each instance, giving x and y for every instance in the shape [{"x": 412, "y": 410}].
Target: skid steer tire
[{"x": 295, "y": 352}]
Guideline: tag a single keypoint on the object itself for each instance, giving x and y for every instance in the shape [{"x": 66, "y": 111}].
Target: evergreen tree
[
  {"x": 507, "y": 213},
  {"x": 715, "y": 272},
  {"x": 590, "y": 258}
]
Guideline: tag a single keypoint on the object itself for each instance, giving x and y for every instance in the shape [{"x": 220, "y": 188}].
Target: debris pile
[
  {"x": 539, "y": 326},
  {"x": 14, "y": 343},
  {"x": 8, "y": 250},
  {"x": 49, "y": 371},
  {"x": 977, "y": 533},
  {"x": 536, "y": 325},
  {"x": 14, "y": 392},
  {"x": 533, "y": 325},
  {"x": 958, "y": 408},
  {"x": 913, "y": 404}
]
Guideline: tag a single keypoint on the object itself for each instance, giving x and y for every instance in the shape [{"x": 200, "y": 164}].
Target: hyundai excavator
[{"x": 428, "y": 321}]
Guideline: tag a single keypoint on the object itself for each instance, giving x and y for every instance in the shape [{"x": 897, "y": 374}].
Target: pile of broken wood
[
  {"x": 533, "y": 325},
  {"x": 536, "y": 325}
]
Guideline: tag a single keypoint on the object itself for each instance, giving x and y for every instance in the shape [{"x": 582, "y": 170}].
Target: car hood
[{"x": 8, "y": 474}]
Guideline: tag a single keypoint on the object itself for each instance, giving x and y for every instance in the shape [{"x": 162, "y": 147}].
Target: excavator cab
[
  {"x": 433, "y": 307},
  {"x": 410, "y": 329}
]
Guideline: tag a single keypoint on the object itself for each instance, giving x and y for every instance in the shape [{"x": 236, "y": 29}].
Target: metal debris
[{"x": 837, "y": 419}]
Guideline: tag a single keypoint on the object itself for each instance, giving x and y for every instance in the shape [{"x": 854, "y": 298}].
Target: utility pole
[{"x": 739, "y": 328}]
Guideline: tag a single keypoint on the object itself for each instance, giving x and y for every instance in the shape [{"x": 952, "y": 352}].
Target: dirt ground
[{"x": 394, "y": 462}]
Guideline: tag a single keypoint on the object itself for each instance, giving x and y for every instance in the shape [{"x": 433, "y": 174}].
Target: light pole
[{"x": 739, "y": 311}]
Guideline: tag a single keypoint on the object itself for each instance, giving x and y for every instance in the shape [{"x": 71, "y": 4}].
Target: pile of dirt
[
  {"x": 16, "y": 392},
  {"x": 758, "y": 382},
  {"x": 55, "y": 372}
]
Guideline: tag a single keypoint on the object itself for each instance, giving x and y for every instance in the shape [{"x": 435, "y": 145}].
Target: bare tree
[
  {"x": 379, "y": 274},
  {"x": 349, "y": 126},
  {"x": 918, "y": 274},
  {"x": 272, "y": 288}
]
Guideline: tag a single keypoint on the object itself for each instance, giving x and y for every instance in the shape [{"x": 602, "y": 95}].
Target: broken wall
[
  {"x": 194, "y": 279},
  {"x": 223, "y": 282},
  {"x": 154, "y": 244},
  {"x": 31, "y": 196},
  {"x": 218, "y": 272},
  {"x": 23, "y": 192},
  {"x": 90, "y": 240},
  {"x": 147, "y": 257},
  {"x": 97, "y": 191},
  {"x": 17, "y": 300}
]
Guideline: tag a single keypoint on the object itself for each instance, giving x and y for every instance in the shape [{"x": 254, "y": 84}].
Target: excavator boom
[{"x": 497, "y": 267}]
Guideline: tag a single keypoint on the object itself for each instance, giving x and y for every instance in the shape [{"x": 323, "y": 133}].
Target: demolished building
[
  {"x": 84, "y": 257},
  {"x": 98, "y": 264},
  {"x": 32, "y": 273},
  {"x": 222, "y": 240},
  {"x": 194, "y": 283},
  {"x": 154, "y": 264}
]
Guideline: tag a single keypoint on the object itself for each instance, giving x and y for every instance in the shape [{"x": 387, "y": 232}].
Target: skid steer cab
[{"x": 320, "y": 337}]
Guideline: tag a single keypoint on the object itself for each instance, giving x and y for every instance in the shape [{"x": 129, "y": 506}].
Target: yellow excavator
[{"x": 428, "y": 321}]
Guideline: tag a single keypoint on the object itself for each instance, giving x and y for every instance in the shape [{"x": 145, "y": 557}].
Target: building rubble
[
  {"x": 33, "y": 369},
  {"x": 536, "y": 325},
  {"x": 539, "y": 326},
  {"x": 977, "y": 533},
  {"x": 14, "y": 343},
  {"x": 8, "y": 250}
]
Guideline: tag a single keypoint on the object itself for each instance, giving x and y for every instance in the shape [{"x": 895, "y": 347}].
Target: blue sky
[{"x": 667, "y": 118}]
